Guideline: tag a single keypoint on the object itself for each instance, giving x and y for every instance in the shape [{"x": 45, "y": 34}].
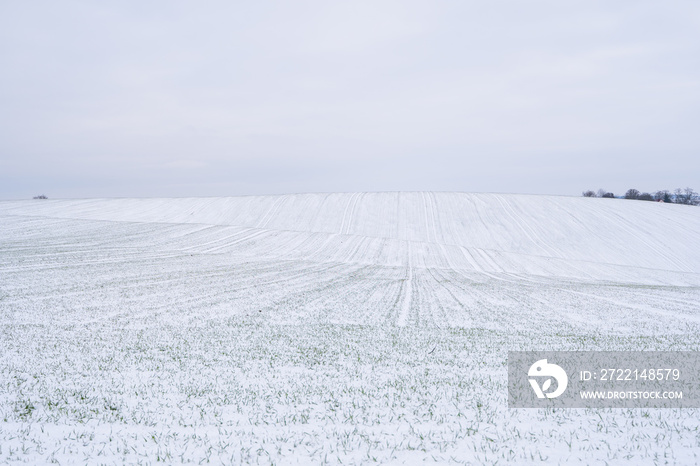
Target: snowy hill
[
  {"x": 329, "y": 328},
  {"x": 584, "y": 238}
]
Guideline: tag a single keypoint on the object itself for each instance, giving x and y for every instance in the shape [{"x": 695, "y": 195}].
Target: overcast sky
[{"x": 119, "y": 99}]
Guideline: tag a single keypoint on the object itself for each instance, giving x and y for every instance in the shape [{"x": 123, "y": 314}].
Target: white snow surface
[{"x": 353, "y": 328}]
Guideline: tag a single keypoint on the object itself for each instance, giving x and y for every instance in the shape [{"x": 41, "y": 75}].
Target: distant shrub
[
  {"x": 685, "y": 196},
  {"x": 601, "y": 193}
]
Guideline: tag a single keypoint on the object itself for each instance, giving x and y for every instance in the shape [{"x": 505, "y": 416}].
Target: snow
[{"x": 352, "y": 327}]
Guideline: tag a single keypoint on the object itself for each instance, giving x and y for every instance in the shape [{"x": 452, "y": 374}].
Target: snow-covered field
[{"x": 333, "y": 328}]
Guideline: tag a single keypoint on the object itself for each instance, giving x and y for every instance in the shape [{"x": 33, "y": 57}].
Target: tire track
[
  {"x": 405, "y": 309},
  {"x": 270, "y": 213},
  {"x": 345, "y": 213},
  {"x": 525, "y": 229}
]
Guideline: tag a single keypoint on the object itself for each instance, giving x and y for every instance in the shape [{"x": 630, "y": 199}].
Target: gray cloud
[{"x": 217, "y": 98}]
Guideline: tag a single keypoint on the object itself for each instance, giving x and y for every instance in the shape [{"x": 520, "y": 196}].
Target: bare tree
[
  {"x": 604, "y": 193},
  {"x": 632, "y": 194},
  {"x": 663, "y": 196},
  {"x": 686, "y": 196}
]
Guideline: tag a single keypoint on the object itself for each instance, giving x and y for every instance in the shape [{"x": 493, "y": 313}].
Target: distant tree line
[{"x": 685, "y": 196}]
